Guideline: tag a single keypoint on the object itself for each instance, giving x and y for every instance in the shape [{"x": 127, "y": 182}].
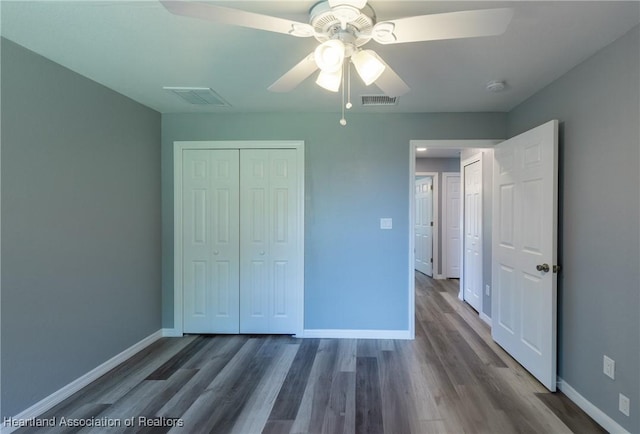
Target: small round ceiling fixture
[{"x": 496, "y": 86}]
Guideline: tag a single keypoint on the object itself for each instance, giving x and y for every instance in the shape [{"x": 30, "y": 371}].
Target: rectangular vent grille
[
  {"x": 369, "y": 100},
  {"x": 199, "y": 96}
]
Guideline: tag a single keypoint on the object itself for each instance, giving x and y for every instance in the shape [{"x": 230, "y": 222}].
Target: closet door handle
[{"x": 262, "y": 253}]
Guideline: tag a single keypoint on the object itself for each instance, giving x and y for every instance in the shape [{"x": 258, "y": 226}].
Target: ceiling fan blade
[
  {"x": 295, "y": 75},
  {"x": 355, "y": 3},
  {"x": 236, "y": 17},
  {"x": 391, "y": 83},
  {"x": 452, "y": 25}
]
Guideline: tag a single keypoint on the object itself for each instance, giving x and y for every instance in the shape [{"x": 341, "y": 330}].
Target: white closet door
[
  {"x": 211, "y": 239},
  {"x": 473, "y": 235},
  {"x": 452, "y": 225},
  {"x": 268, "y": 240},
  {"x": 424, "y": 226}
]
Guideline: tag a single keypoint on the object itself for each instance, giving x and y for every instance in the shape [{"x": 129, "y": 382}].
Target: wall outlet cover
[
  {"x": 624, "y": 404},
  {"x": 386, "y": 223}
]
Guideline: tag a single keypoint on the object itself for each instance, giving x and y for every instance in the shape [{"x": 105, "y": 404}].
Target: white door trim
[
  {"x": 413, "y": 144},
  {"x": 476, "y": 158},
  {"x": 445, "y": 221},
  {"x": 178, "y": 147}
]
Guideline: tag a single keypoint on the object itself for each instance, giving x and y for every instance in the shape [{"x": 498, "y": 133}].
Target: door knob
[
  {"x": 262, "y": 253},
  {"x": 215, "y": 252},
  {"x": 543, "y": 267}
]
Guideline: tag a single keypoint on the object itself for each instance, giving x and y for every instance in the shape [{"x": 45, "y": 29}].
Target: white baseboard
[
  {"x": 596, "y": 414},
  {"x": 439, "y": 277},
  {"x": 171, "y": 333},
  {"x": 66, "y": 391},
  {"x": 486, "y": 318},
  {"x": 356, "y": 334}
]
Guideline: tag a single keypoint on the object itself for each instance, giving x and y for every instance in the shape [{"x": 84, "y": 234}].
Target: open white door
[
  {"x": 424, "y": 226},
  {"x": 525, "y": 183}
]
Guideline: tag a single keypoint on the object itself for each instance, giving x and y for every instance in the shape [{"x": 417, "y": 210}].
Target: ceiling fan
[{"x": 343, "y": 27}]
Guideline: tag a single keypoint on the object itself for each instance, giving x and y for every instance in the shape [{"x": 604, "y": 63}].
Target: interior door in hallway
[
  {"x": 424, "y": 225},
  {"x": 451, "y": 239},
  {"x": 472, "y": 269}
]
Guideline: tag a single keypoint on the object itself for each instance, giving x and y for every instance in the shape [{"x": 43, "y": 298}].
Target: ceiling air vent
[
  {"x": 378, "y": 100},
  {"x": 199, "y": 96}
]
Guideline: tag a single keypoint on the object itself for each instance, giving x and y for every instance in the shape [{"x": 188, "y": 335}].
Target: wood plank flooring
[{"x": 451, "y": 379}]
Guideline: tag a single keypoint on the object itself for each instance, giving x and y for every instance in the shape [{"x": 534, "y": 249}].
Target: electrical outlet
[
  {"x": 624, "y": 404},
  {"x": 609, "y": 367},
  {"x": 487, "y": 290}
]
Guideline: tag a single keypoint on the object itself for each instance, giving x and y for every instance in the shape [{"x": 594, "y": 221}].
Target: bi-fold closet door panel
[
  {"x": 211, "y": 233},
  {"x": 268, "y": 241},
  {"x": 239, "y": 239}
]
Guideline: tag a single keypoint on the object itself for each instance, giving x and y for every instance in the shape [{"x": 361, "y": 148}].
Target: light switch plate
[
  {"x": 609, "y": 367},
  {"x": 386, "y": 223}
]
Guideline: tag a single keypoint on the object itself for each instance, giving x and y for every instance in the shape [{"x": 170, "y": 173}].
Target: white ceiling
[{"x": 136, "y": 48}]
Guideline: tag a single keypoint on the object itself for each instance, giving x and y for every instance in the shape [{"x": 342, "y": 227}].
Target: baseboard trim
[
  {"x": 596, "y": 414},
  {"x": 439, "y": 277},
  {"x": 356, "y": 334},
  {"x": 171, "y": 333},
  {"x": 66, "y": 391},
  {"x": 486, "y": 318}
]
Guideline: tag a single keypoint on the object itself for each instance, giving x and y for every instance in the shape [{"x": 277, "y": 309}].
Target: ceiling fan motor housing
[{"x": 346, "y": 23}]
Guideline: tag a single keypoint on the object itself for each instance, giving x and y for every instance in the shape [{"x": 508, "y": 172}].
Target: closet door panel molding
[
  {"x": 268, "y": 240},
  {"x": 265, "y": 235},
  {"x": 210, "y": 234}
]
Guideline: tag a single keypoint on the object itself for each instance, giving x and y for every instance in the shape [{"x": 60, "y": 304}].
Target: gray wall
[
  {"x": 439, "y": 165},
  {"x": 597, "y": 104},
  {"x": 355, "y": 274},
  {"x": 80, "y": 226}
]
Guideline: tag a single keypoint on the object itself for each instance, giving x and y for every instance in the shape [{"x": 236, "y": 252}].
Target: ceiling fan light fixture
[
  {"x": 329, "y": 55},
  {"x": 368, "y": 65},
  {"x": 330, "y": 80}
]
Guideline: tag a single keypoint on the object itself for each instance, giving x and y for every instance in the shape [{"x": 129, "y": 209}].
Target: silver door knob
[
  {"x": 215, "y": 252},
  {"x": 543, "y": 267},
  {"x": 262, "y": 253}
]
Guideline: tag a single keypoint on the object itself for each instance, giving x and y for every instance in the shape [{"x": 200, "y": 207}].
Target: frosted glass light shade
[
  {"x": 329, "y": 55},
  {"x": 368, "y": 65},
  {"x": 330, "y": 80}
]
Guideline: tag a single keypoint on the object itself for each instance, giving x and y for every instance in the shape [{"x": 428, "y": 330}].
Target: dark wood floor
[{"x": 451, "y": 379}]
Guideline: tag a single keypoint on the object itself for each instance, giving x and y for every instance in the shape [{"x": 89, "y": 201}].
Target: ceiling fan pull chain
[
  {"x": 349, "y": 105},
  {"x": 343, "y": 121}
]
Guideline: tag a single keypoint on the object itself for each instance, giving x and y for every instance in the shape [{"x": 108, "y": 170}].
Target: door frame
[
  {"x": 178, "y": 147},
  {"x": 445, "y": 221},
  {"x": 413, "y": 144},
  {"x": 475, "y": 158},
  {"x": 434, "y": 218}
]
